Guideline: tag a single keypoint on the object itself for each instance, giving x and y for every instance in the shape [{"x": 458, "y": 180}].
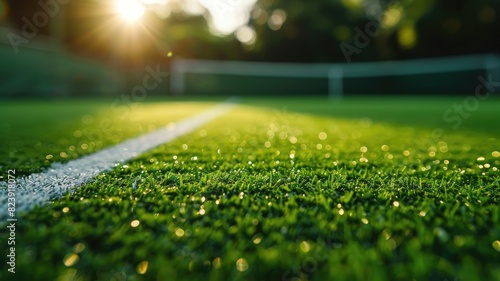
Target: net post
[
  {"x": 177, "y": 77},
  {"x": 335, "y": 82}
]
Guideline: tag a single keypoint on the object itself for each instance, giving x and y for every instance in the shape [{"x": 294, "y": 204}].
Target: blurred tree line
[
  {"x": 346, "y": 30},
  {"x": 325, "y": 30},
  {"x": 284, "y": 30}
]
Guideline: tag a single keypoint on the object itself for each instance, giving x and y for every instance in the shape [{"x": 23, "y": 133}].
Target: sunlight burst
[{"x": 130, "y": 10}]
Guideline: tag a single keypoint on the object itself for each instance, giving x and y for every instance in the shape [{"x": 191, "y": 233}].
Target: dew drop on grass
[
  {"x": 305, "y": 247},
  {"x": 241, "y": 265},
  {"x": 441, "y": 233},
  {"x": 135, "y": 223},
  {"x": 257, "y": 239},
  {"x": 496, "y": 245},
  {"x": 78, "y": 248},
  {"x": 322, "y": 136},
  {"x": 142, "y": 267},
  {"x": 179, "y": 232},
  {"x": 71, "y": 259},
  {"x": 217, "y": 263}
]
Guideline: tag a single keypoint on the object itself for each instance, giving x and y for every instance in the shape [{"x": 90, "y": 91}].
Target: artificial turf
[
  {"x": 36, "y": 134},
  {"x": 267, "y": 194}
]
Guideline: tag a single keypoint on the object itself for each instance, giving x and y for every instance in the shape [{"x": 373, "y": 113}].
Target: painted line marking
[{"x": 40, "y": 188}]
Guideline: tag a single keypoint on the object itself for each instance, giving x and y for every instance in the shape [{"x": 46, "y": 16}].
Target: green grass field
[{"x": 277, "y": 189}]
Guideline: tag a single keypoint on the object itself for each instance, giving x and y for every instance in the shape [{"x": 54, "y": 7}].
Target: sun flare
[{"x": 130, "y": 10}]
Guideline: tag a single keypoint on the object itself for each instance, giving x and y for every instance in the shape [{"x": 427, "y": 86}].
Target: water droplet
[
  {"x": 241, "y": 265},
  {"x": 71, "y": 259},
  {"x": 496, "y": 245},
  {"x": 257, "y": 240},
  {"x": 142, "y": 267},
  {"x": 304, "y": 246},
  {"x": 78, "y": 248},
  {"x": 179, "y": 232},
  {"x": 217, "y": 263}
]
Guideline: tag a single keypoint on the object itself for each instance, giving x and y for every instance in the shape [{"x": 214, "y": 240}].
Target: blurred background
[{"x": 81, "y": 48}]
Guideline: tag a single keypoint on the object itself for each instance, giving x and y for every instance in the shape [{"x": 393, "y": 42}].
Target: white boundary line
[{"x": 40, "y": 188}]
